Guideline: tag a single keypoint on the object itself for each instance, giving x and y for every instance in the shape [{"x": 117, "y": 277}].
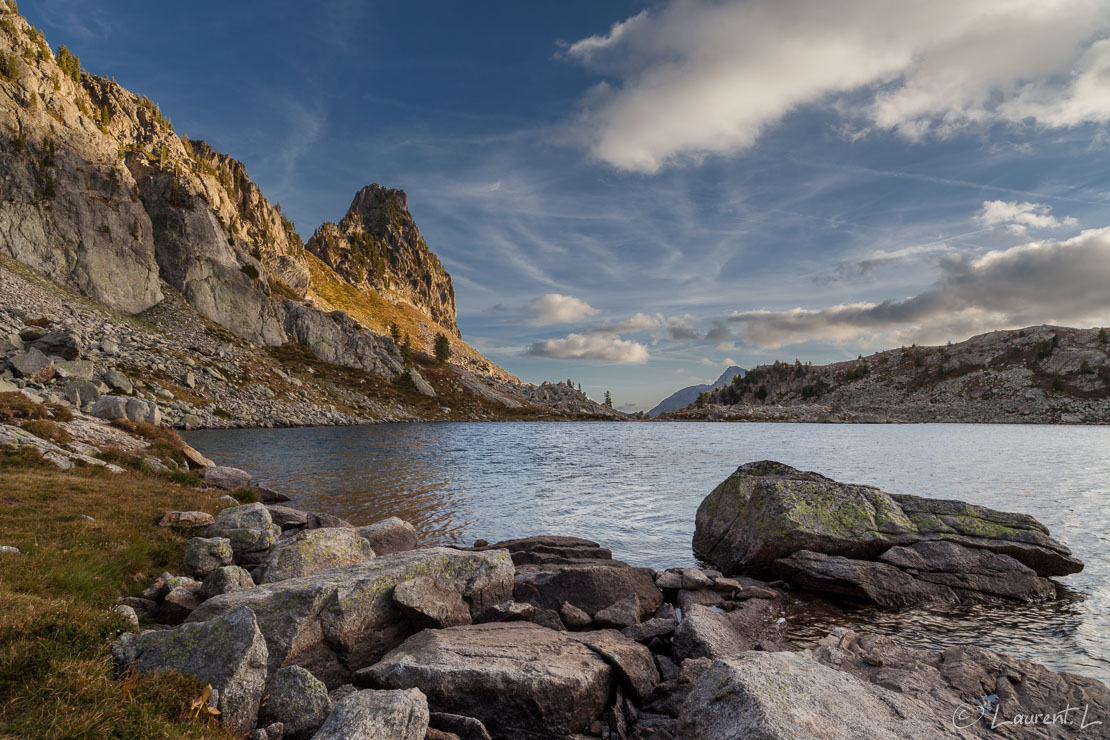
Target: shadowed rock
[
  {"x": 337, "y": 621},
  {"x": 298, "y": 700},
  {"x": 519, "y": 679}
]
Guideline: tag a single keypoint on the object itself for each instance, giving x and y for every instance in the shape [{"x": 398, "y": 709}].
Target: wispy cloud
[
  {"x": 1018, "y": 218},
  {"x": 702, "y": 77}
]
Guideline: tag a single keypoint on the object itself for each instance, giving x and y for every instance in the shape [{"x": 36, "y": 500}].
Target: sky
[{"x": 636, "y": 195}]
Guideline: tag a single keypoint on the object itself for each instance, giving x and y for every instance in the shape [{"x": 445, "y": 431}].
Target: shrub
[
  {"x": 442, "y": 348},
  {"x": 1103, "y": 336}
]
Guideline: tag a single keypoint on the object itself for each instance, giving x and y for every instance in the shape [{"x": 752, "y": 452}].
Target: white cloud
[
  {"x": 636, "y": 322},
  {"x": 555, "y": 308},
  {"x": 708, "y": 362},
  {"x": 1018, "y": 218},
  {"x": 582, "y": 347},
  {"x": 1057, "y": 282},
  {"x": 699, "y": 77}
]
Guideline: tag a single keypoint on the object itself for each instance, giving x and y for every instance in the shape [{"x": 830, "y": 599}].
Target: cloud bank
[
  {"x": 595, "y": 347},
  {"x": 699, "y": 77},
  {"x": 1062, "y": 282}
]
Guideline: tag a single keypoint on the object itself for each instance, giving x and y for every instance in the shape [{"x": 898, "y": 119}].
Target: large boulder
[
  {"x": 766, "y": 511},
  {"x": 61, "y": 343},
  {"x": 33, "y": 365},
  {"x": 985, "y": 694},
  {"x": 298, "y": 700},
  {"x": 785, "y": 696},
  {"x": 228, "y": 652},
  {"x": 251, "y": 530},
  {"x": 381, "y": 715},
  {"x": 120, "y": 407},
  {"x": 706, "y": 633},
  {"x": 229, "y": 479},
  {"x": 389, "y": 535},
  {"x": 519, "y": 679},
  {"x": 312, "y": 551},
  {"x": 343, "y": 619},
  {"x": 205, "y": 554},
  {"x": 925, "y": 572},
  {"x": 429, "y": 602},
  {"x": 552, "y": 571}
]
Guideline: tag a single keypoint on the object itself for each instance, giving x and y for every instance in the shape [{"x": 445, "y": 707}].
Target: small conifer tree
[{"x": 442, "y": 348}]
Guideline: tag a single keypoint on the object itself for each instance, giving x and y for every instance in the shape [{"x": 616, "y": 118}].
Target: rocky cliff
[
  {"x": 1040, "y": 374},
  {"x": 378, "y": 247},
  {"x": 99, "y": 193}
]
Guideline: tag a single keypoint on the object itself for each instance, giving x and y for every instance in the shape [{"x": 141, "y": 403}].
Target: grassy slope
[{"x": 56, "y": 677}]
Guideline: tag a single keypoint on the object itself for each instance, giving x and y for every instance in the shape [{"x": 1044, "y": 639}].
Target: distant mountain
[{"x": 686, "y": 396}]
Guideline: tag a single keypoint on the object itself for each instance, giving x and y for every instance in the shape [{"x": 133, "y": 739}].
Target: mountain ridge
[{"x": 685, "y": 396}]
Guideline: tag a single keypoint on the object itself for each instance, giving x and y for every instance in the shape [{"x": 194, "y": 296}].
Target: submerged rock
[{"x": 343, "y": 619}]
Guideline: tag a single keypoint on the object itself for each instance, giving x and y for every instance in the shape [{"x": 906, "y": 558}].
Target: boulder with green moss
[
  {"x": 767, "y": 510},
  {"x": 340, "y": 620},
  {"x": 229, "y": 653},
  {"x": 313, "y": 551}
]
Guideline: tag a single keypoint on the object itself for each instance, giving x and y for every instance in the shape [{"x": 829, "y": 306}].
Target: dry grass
[
  {"x": 48, "y": 430},
  {"x": 56, "y": 676}
]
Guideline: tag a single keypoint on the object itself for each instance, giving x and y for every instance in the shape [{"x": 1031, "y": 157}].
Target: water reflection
[{"x": 635, "y": 488}]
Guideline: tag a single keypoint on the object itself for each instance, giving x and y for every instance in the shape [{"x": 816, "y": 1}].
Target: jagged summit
[{"x": 377, "y": 246}]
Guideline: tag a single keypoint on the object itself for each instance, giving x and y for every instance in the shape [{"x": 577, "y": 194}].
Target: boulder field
[{"x": 307, "y": 627}]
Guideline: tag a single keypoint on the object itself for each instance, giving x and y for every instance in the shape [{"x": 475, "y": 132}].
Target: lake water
[{"x": 634, "y": 487}]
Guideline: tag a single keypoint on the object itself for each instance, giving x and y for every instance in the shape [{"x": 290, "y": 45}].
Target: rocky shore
[{"x": 306, "y": 626}]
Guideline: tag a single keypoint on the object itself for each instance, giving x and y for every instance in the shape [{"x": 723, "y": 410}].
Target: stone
[
  {"x": 227, "y": 652},
  {"x": 382, "y": 715},
  {"x": 971, "y": 686},
  {"x": 508, "y": 611},
  {"x": 298, "y": 700},
  {"x": 973, "y": 570},
  {"x": 785, "y": 696},
  {"x": 465, "y": 728},
  {"x": 32, "y": 365},
  {"x": 518, "y": 679},
  {"x": 120, "y": 407},
  {"x": 691, "y": 579},
  {"x": 250, "y": 529},
  {"x": 225, "y": 580},
  {"x": 631, "y": 661},
  {"x": 546, "y": 548},
  {"x": 61, "y": 342},
  {"x": 117, "y": 381},
  {"x": 192, "y": 421},
  {"x": 81, "y": 392},
  {"x": 205, "y": 554},
  {"x": 573, "y": 617},
  {"x": 340, "y": 620},
  {"x": 194, "y": 459},
  {"x": 128, "y": 614},
  {"x": 589, "y": 586},
  {"x": 423, "y": 386},
  {"x": 109, "y": 347},
  {"x": 287, "y": 517},
  {"x": 312, "y": 551},
  {"x": 32, "y": 333},
  {"x": 74, "y": 370},
  {"x": 389, "y": 535},
  {"x": 705, "y": 633},
  {"x": 229, "y": 479},
  {"x": 430, "y": 603},
  {"x": 176, "y": 607},
  {"x": 186, "y": 519},
  {"x": 766, "y": 511},
  {"x": 651, "y": 629},
  {"x": 621, "y": 613},
  {"x": 9, "y": 550},
  {"x": 268, "y": 495},
  {"x": 147, "y": 608},
  {"x": 226, "y": 500}
]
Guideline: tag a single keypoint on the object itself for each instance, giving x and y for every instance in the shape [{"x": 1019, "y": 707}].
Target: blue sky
[{"x": 635, "y": 195}]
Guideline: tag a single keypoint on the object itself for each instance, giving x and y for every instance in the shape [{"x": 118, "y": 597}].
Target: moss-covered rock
[
  {"x": 767, "y": 510},
  {"x": 313, "y": 551}
]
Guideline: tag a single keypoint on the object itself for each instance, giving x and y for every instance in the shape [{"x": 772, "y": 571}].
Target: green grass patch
[{"x": 56, "y": 626}]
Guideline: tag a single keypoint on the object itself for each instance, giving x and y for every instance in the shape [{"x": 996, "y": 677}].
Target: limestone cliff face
[
  {"x": 378, "y": 247},
  {"x": 99, "y": 193}
]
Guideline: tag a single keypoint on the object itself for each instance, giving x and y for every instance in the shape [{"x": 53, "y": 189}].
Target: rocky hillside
[
  {"x": 100, "y": 194},
  {"x": 686, "y": 396},
  {"x": 1041, "y": 374},
  {"x": 378, "y": 247}
]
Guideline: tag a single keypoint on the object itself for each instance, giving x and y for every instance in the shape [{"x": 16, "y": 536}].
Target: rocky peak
[{"x": 378, "y": 247}]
